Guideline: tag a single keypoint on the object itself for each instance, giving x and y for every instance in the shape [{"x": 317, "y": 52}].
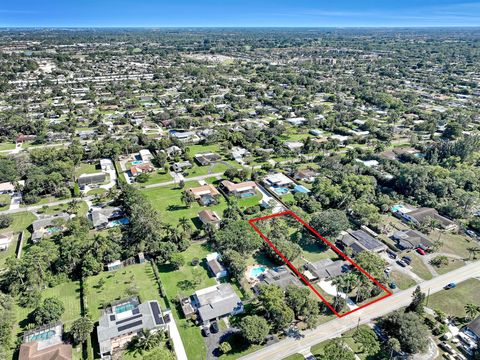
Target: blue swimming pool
[
  {"x": 396, "y": 207},
  {"x": 123, "y": 308},
  {"x": 137, "y": 162},
  {"x": 122, "y": 221},
  {"x": 257, "y": 271},
  {"x": 281, "y": 190},
  {"x": 301, "y": 189},
  {"x": 42, "y": 336},
  {"x": 246, "y": 195}
]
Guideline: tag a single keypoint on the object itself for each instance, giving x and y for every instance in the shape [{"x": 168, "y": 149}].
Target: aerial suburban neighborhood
[{"x": 240, "y": 193}]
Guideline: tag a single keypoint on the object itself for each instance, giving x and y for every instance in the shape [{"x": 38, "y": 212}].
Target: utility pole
[
  {"x": 428, "y": 296},
  {"x": 358, "y": 323}
]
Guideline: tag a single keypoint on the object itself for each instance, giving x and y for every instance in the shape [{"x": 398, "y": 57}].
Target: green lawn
[
  {"x": 68, "y": 293},
  {"x": 453, "y": 243},
  {"x": 137, "y": 279},
  {"x": 205, "y": 170},
  {"x": 4, "y": 255},
  {"x": 295, "y": 357},
  {"x": 5, "y": 201},
  {"x": 97, "y": 191},
  {"x": 7, "y": 146},
  {"x": 86, "y": 169},
  {"x": 167, "y": 200},
  {"x": 452, "y": 265},
  {"x": 155, "y": 178},
  {"x": 403, "y": 281},
  {"x": 82, "y": 209},
  {"x": 249, "y": 201},
  {"x": 20, "y": 222},
  {"x": 453, "y": 301}
]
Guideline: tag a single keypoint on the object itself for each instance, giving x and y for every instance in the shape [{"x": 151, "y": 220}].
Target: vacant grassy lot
[
  {"x": 20, "y": 222},
  {"x": 68, "y": 293},
  {"x": 454, "y": 243},
  {"x": 167, "y": 200},
  {"x": 453, "y": 301},
  {"x": 106, "y": 287},
  {"x": 452, "y": 265},
  {"x": 87, "y": 169}
]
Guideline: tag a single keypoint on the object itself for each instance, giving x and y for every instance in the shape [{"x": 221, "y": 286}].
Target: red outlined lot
[{"x": 334, "y": 248}]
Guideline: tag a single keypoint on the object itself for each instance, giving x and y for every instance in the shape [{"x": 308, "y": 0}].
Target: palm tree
[
  {"x": 472, "y": 310},
  {"x": 185, "y": 225}
]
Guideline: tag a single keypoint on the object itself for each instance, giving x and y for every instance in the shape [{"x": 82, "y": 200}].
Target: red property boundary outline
[{"x": 294, "y": 269}]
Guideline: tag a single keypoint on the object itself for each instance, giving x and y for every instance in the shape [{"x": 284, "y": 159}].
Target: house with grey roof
[
  {"x": 280, "y": 276},
  {"x": 216, "y": 302},
  {"x": 412, "y": 239},
  {"x": 48, "y": 226},
  {"x": 91, "y": 179},
  {"x": 359, "y": 240},
  {"x": 123, "y": 320},
  {"x": 326, "y": 269},
  {"x": 101, "y": 217}
]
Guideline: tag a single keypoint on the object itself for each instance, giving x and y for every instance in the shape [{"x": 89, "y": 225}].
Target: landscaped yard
[
  {"x": 155, "y": 178},
  {"x": 5, "y": 201},
  {"x": 453, "y": 301},
  {"x": 67, "y": 292},
  {"x": 106, "y": 287},
  {"x": 167, "y": 200},
  {"x": 403, "y": 281},
  {"x": 4, "y": 255},
  {"x": 86, "y": 169},
  {"x": 20, "y": 222}
]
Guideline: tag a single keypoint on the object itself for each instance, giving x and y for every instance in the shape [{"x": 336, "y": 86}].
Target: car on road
[
  {"x": 402, "y": 263},
  {"x": 421, "y": 251},
  {"x": 214, "y": 327},
  {"x": 393, "y": 285},
  {"x": 450, "y": 286}
]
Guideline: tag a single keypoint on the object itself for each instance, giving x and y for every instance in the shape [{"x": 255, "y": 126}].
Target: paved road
[
  {"x": 194, "y": 178},
  {"x": 38, "y": 207},
  {"x": 338, "y": 326}
]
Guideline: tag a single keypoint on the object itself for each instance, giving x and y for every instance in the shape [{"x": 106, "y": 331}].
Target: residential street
[{"x": 338, "y": 326}]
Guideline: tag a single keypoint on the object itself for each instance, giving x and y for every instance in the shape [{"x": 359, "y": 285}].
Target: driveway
[{"x": 214, "y": 340}]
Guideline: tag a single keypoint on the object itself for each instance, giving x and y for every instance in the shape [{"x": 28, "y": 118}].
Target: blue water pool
[
  {"x": 246, "y": 195},
  {"x": 301, "y": 189},
  {"x": 281, "y": 190},
  {"x": 42, "y": 336},
  {"x": 123, "y": 308},
  {"x": 137, "y": 162},
  {"x": 122, "y": 221},
  {"x": 396, "y": 207},
  {"x": 257, "y": 271}
]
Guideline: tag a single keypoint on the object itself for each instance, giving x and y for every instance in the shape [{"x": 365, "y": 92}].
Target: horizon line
[{"x": 242, "y": 27}]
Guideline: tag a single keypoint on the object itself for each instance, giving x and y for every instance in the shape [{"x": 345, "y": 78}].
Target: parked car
[
  {"x": 391, "y": 254},
  {"x": 450, "y": 286},
  {"x": 471, "y": 233},
  {"x": 446, "y": 347},
  {"x": 214, "y": 327},
  {"x": 388, "y": 270},
  {"x": 401, "y": 263},
  {"x": 206, "y": 331},
  {"x": 421, "y": 251},
  {"x": 392, "y": 285},
  {"x": 407, "y": 259}
]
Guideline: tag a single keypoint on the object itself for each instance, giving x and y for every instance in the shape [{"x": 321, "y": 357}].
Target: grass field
[
  {"x": 106, "y": 287},
  {"x": 453, "y": 243},
  {"x": 7, "y": 146},
  {"x": 5, "y": 201},
  {"x": 68, "y": 293},
  {"x": 86, "y": 169},
  {"x": 452, "y": 265},
  {"x": 294, "y": 357},
  {"x": 403, "y": 281},
  {"x": 4, "y": 255},
  {"x": 155, "y": 178},
  {"x": 167, "y": 200},
  {"x": 20, "y": 222},
  {"x": 453, "y": 301}
]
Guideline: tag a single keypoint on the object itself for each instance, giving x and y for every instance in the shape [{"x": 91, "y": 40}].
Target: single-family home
[
  {"x": 91, "y": 179},
  {"x": 420, "y": 216},
  {"x": 136, "y": 170},
  {"x": 173, "y": 151},
  {"x": 277, "y": 179},
  {"x": 307, "y": 175},
  {"x": 45, "y": 343},
  {"x": 280, "y": 276},
  {"x": 123, "y": 320},
  {"x": 359, "y": 240},
  {"x": 298, "y": 121},
  {"x": 145, "y": 155},
  {"x": 243, "y": 189},
  {"x": 106, "y": 165},
  {"x": 181, "y": 166},
  {"x": 412, "y": 239},
  {"x": 207, "y": 158},
  {"x": 7, "y": 188},
  {"x": 217, "y": 301},
  {"x": 293, "y": 145},
  {"x": 473, "y": 329},
  {"x": 114, "y": 265},
  {"x": 326, "y": 269},
  {"x": 208, "y": 217},
  {"x": 48, "y": 226},
  {"x": 205, "y": 195},
  {"x": 215, "y": 265},
  {"x": 101, "y": 217}
]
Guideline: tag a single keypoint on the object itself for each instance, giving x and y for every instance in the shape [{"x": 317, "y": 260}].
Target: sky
[{"x": 239, "y": 13}]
